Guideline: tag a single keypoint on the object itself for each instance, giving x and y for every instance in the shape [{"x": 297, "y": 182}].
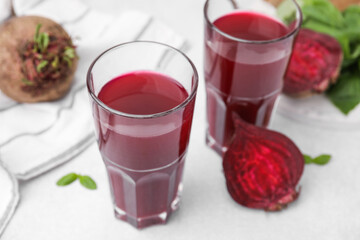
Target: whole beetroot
[{"x": 37, "y": 59}]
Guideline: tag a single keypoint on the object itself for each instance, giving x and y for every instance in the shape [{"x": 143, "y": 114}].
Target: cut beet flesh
[
  {"x": 262, "y": 167},
  {"x": 315, "y": 64}
]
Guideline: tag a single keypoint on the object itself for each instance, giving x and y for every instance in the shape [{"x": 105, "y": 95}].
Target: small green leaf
[
  {"x": 322, "y": 159},
  {"x": 41, "y": 40},
  {"x": 69, "y": 52},
  {"x": 67, "y": 60},
  {"x": 37, "y": 32},
  {"x": 41, "y": 65},
  {"x": 27, "y": 82},
  {"x": 55, "y": 62},
  {"x": 44, "y": 41},
  {"x": 87, "y": 182},
  {"x": 67, "y": 179},
  {"x": 319, "y": 160},
  {"x": 307, "y": 159}
]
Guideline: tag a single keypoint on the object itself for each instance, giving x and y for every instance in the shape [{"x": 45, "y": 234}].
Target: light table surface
[{"x": 328, "y": 207}]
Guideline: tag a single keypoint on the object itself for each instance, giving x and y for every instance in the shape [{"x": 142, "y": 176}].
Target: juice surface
[
  {"x": 250, "y": 26},
  {"x": 142, "y": 93}
]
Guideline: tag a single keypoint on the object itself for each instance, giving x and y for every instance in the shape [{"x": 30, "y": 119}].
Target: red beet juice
[
  {"x": 243, "y": 72},
  {"x": 144, "y": 155}
]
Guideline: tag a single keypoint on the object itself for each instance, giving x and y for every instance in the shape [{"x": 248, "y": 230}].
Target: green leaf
[
  {"x": 41, "y": 40},
  {"x": 37, "y": 32},
  {"x": 352, "y": 9},
  {"x": 322, "y": 159},
  {"x": 87, "y": 182},
  {"x": 41, "y": 65},
  {"x": 345, "y": 94},
  {"x": 352, "y": 16},
  {"x": 322, "y": 11},
  {"x": 355, "y": 54},
  {"x": 67, "y": 60},
  {"x": 55, "y": 62},
  {"x": 27, "y": 82},
  {"x": 319, "y": 160},
  {"x": 67, "y": 179},
  {"x": 69, "y": 52},
  {"x": 307, "y": 159},
  {"x": 286, "y": 11},
  {"x": 45, "y": 41}
]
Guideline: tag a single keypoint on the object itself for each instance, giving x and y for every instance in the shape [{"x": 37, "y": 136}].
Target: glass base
[
  {"x": 210, "y": 142},
  {"x": 146, "y": 221},
  {"x": 142, "y": 222}
]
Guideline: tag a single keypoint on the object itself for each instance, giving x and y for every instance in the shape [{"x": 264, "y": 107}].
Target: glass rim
[
  {"x": 143, "y": 116},
  {"x": 293, "y": 32}
]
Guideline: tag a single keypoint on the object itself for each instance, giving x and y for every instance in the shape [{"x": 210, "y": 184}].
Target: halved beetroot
[{"x": 314, "y": 64}]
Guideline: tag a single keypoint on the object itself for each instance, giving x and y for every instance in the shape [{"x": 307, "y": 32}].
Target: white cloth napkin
[
  {"x": 9, "y": 197},
  {"x": 5, "y": 9},
  {"x": 37, "y": 137}
]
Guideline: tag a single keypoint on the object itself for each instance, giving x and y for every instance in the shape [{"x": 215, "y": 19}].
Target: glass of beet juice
[
  {"x": 142, "y": 97},
  {"x": 247, "y": 49}
]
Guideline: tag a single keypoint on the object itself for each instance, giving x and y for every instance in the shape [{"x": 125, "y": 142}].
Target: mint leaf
[
  {"x": 345, "y": 94},
  {"x": 87, "y": 182},
  {"x": 319, "y": 160},
  {"x": 67, "y": 179},
  {"x": 307, "y": 159},
  {"x": 322, "y": 159}
]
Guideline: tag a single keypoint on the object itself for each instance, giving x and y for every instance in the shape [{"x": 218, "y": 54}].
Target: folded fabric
[
  {"x": 5, "y": 9},
  {"x": 37, "y": 137},
  {"x": 9, "y": 196}
]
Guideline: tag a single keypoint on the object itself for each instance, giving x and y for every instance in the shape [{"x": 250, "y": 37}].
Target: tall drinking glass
[
  {"x": 142, "y": 97},
  {"x": 247, "y": 49}
]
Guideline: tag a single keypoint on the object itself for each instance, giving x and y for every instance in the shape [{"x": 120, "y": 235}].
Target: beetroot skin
[
  {"x": 314, "y": 64},
  {"x": 262, "y": 167}
]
